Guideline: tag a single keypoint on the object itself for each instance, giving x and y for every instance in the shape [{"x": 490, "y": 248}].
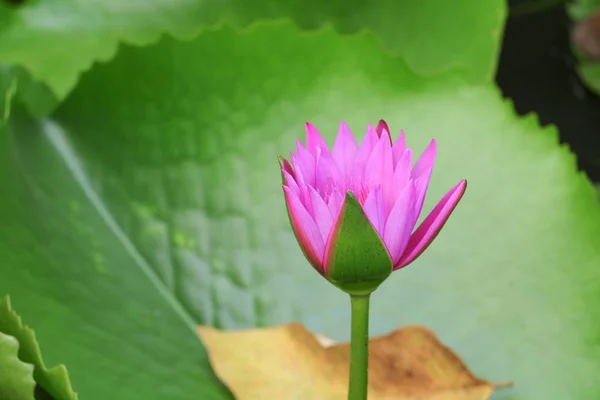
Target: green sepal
[{"x": 357, "y": 260}]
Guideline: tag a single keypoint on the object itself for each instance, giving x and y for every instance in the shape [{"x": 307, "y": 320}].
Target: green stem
[{"x": 359, "y": 348}]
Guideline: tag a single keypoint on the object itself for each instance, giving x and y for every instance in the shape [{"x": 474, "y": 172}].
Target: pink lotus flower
[{"x": 379, "y": 174}]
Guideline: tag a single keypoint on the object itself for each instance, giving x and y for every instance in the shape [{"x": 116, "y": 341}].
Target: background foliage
[{"x": 141, "y": 192}]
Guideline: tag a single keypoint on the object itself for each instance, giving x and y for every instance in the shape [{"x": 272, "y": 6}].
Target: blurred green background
[{"x": 140, "y": 192}]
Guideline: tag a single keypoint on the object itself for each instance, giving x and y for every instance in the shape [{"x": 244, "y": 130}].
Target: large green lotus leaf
[
  {"x": 72, "y": 273},
  {"x": 16, "y": 377},
  {"x": 53, "y": 380},
  {"x": 56, "y": 40},
  {"x": 16, "y": 84},
  {"x": 8, "y": 87},
  {"x": 176, "y": 164},
  {"x": 162, "y": 161}
]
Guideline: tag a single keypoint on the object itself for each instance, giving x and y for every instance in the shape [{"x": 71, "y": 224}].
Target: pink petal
[
  {"x": 306, "y": 230},
  {"x": 328, "y": 175},
  {"x": 374, "y": 209},
  {"x": 299, "y": 147},
  {"x": 304, "y": 164},
  {"x": 383, "y": 129},
  {"x": 344, "y": 151},
  {"x": 379, "y": 169},
  {"x": 421, "y": 174},
  {"x": 400, "y": 178},
  {"x": 363, "y": 154},
  {"x": 426, "y": 161},
  {"x": 429, "y": 229},
  {"x": 321, "y": 214},
  {"x": 286, "y": 166},
  {"x": 400, "y": 223},
  {"x": 335, "y": 201},
  {"x": 304, "y": 197},
  {"x": 421, "y": 185},
  {"x": 369, "y": 140},
  {"x": 398, "y": 148},
  {"x": 290, "y": 182},
  {"x": 314, "y": 140}
]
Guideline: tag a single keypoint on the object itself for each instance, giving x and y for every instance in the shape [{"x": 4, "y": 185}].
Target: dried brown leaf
[{"x": 288, "y": 362}]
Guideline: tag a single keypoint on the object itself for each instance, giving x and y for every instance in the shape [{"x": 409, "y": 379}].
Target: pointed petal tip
[
  {"x": 282, "y": 167},
  {"x": 314, "y": 141},
  {"x": 383, "y": 128},
  {"x": 285, "y": 165},
  {"x": 426, "y": 160},
  {"x": 382, "y": 125},
  {"x": 456, "y": 193},
  {"x": 462, "y": 187},
  {"x": 344, "y": 129},
  {"x": 281, "y": 160},
  {"x": 351, "y": 195},
  {"x": 432, "y": 147}
]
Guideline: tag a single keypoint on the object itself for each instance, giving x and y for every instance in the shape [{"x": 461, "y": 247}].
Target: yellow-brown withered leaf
[{"x": 289, "y": 363}]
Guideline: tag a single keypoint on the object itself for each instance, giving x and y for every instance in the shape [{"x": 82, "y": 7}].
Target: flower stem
[{"x": 359, "y": 348}]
